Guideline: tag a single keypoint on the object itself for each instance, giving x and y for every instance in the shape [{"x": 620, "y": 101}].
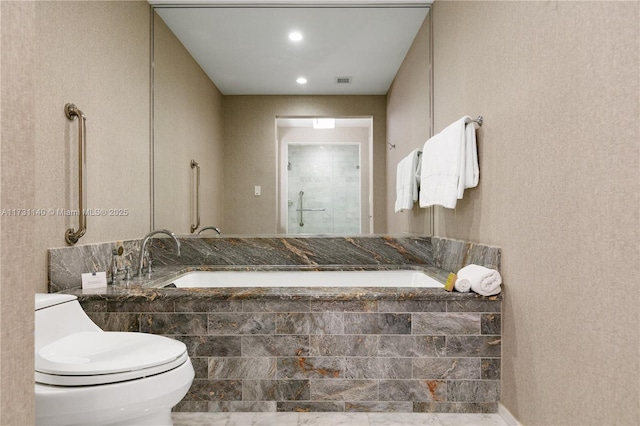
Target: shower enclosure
[{"x": 323, "y": 188}]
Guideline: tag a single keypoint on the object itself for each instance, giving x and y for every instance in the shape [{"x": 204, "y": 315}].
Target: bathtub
[
  {"x": 236, "y": 279},
  {"x": 333, "y": 343}
]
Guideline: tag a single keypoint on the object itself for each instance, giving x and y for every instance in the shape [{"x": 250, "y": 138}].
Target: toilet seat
[{"x": 93, "y": 358}]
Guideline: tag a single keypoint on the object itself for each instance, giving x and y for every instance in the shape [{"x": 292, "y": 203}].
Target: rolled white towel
[
  {"x": 479, "y": 279},
  {"x": 462, "y": 285}
]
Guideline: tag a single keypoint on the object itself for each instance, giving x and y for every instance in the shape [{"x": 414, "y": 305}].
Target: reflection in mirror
[
  {"x": 325, "y": 175},
  {"x": 224, "y": 77}
]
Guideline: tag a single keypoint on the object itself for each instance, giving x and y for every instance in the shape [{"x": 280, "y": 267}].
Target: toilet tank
[{"x": 58, "y": 315}]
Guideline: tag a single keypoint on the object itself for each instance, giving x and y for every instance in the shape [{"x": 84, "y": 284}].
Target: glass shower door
[{"x": 323, "y": 188}]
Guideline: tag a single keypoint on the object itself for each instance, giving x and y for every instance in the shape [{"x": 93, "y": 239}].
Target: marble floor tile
[
  {"x": 336, "y": 419},
  {"x": 403, "y": 419},
  {"x": 263, "y": 419},
  {"x": 333, "y": 419},
  {"x": 451, "y": 419},
  {"x": 200, "y": 419}
]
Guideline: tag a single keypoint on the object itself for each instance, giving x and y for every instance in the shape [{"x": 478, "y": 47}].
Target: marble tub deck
[
  {"x": 336, "y": 419},
  {"x": 438, "y": 255}
]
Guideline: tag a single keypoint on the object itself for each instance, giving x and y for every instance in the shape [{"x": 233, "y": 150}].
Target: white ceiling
[{"x": 246, "y": 50}]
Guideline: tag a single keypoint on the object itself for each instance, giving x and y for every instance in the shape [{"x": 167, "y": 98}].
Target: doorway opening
[{"x": 324, "y": 176}]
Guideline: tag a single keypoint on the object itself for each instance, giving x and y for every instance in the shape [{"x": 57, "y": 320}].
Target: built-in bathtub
[
  {"x": 267, "y": 278},
  {"x": 318, "y": 347}
]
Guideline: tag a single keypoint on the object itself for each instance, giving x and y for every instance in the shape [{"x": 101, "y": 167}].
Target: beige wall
[
  {"x": 250, "y": 153},
  {"x": 557, "y": 84},
  {"x": 409, "y": 118},
  {"x": 17, "y": 189},
  {"x": 96, "y": 55},
  {"x": 187, "y": 125}
]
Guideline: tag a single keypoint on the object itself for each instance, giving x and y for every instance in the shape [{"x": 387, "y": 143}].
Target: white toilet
[{"x": 86, "y": 376}]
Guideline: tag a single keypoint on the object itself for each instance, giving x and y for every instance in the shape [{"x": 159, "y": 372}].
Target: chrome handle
[
  {"x": 194, "y": 164},
  {"x": 72, "y": 236},
  {"x": 301, "y": 209}
]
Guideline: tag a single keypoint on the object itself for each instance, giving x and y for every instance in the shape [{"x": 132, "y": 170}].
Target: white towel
[
  {"x": 449, "y": 165},
  {"x": 462, "y": 285},
  {"x": 479, "y": 279},
  {"x": 472, "y": 171},
  {"x": 407, "y": 180}
]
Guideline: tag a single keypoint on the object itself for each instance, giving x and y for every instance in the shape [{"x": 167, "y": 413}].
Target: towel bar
[{"x": 478, "y": 120}]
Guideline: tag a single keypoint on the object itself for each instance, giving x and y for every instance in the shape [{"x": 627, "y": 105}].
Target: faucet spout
[
  {"x": 210, "y": 227},
  {"x": 144, "y": 250}
]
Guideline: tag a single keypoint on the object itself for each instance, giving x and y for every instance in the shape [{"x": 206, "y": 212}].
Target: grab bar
[
  {"x": 71, "y": 111},
  {"x": 195, "y": 165},
  {"x": 301, "y": 209}
]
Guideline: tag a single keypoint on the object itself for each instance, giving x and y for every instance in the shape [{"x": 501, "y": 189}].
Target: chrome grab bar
[
  {"x": 301, "y": 209},
  {"x": 195, "y": 165},
  {"x": 71, "y": 111}
]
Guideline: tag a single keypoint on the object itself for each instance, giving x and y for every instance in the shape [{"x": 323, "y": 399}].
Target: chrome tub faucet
[{"x": 145, "y": 252}]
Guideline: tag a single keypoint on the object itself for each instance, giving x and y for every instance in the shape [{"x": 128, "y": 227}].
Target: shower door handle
[{"x": 302, "y": 209}]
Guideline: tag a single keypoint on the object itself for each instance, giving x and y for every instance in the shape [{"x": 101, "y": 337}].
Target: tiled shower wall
[
  {"x": 329, "y": 177},
  {"x": 437, "y": 355}
]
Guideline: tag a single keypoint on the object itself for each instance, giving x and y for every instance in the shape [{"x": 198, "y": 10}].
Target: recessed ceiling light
[
  {"x": 301, "y": 80},
  {"x": 295, "y": 36}
]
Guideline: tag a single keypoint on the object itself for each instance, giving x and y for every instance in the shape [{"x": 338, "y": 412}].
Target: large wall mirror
[{"x": 272, "y": 119}]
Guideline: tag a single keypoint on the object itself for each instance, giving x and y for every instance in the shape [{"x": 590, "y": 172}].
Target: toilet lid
[{"x": 106, "y": 357}]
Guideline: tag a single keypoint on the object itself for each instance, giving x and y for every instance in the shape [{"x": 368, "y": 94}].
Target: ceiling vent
[{"x": 344, "y": 80}]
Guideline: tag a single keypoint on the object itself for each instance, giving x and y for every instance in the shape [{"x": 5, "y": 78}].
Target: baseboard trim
[{"x": 507, "y": 416}]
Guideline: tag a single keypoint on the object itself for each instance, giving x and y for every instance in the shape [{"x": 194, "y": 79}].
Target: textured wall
[
  {"x": 95, "y": 55},
  {"x": 17, "y": 190},
  {"x": 250, "y": 153},
  {"x": 409, "y": 118},
  {"x": 187, "y": 125},
  {"x": 557, "y": 83}
]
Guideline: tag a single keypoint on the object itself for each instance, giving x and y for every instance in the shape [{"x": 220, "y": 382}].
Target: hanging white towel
[
  {"x": 479, "y": 279},
  {"x": 407, "y": 181},
  {"x": 472, "y": 171},
  {"x": 449, "y": 165}
]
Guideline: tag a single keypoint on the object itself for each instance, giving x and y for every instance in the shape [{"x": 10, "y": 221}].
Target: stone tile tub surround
[
  {"x": 372, "y": 252},
  {"x": 320, "y": 349},
  {"x": 401, "y": 350}
]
